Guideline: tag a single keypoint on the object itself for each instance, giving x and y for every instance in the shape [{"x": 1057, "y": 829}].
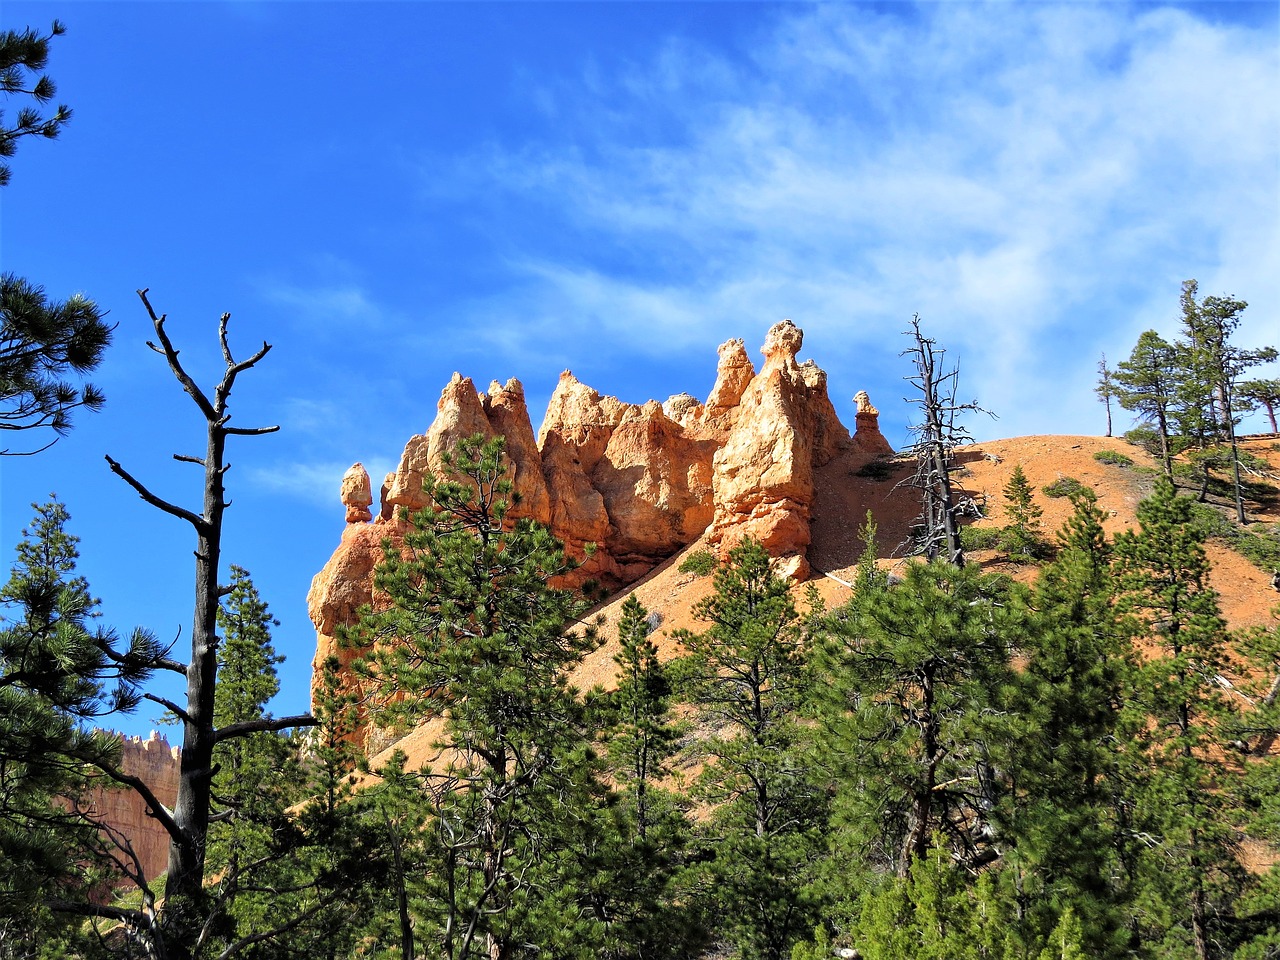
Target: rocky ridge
[{"x": 639, "y": 481}]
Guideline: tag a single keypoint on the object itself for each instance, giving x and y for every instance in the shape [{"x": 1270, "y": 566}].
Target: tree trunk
[{"x": 183, "y": 913}]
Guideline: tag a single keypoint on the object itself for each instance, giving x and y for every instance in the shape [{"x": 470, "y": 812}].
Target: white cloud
[
  {"x": 317, "y": 484},
  {"x": 327, "y": 307},
  {"x": 1035, "y": 180}
]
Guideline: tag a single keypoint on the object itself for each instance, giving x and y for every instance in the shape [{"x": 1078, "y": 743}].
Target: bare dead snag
[
  {"x": 936, "y": 437},
  {"x": 189, "y": 823}
]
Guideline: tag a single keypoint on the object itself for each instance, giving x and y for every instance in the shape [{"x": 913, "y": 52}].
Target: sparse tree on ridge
[
  {"x": 1261, "y": 393},
  {"x": 1106, "y": 388},
  {"x": 1146, "y": 384},
  {"x": 1213, "y": 367}
]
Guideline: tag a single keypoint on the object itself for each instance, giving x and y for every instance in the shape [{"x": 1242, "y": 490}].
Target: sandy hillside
[{"x": 844, "y": 497}]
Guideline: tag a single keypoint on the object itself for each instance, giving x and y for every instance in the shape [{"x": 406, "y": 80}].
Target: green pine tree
[
  {"x": 1065, "y": 810},
  {"x": 477, "y": 639},
  {"x": 1022, "y": 535},
  {"x": 937, "y": 911},
  {"x": 745, "y": 675},
  {"x": 41, "y": 342},
  {"x": 643, "y": 736},
  {"x": 252, "y": 836},
  {"x": 59, "y": 674},
  {"x": 907, "y": 675},
  {"x": 645, "y": 841},
  {"x": 1146, "y": 383},
  {"x": 1189, "y": 784}
]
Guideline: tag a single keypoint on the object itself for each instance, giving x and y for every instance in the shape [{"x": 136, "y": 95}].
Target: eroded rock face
[
  {"x": 158, "y": 765},
  {"x": 784, "y": 427},
  {"x": 357, "y": 494},
  {"x": 640, "y": 481},
  {"x": 734, "y": 373}
]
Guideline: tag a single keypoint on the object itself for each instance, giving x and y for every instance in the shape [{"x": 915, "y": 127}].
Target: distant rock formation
[
  {"x": 357, "y": 494},
  {"x": 639, "y": 481},
  {"x": 157, "y": 765}
]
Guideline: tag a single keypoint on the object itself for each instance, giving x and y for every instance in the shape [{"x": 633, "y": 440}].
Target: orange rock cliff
[
  {"x": 639, "y": 481},
  {"x": 158, "y": 765}
]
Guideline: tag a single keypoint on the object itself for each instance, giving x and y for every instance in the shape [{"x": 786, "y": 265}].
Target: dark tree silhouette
[{"x": 188, "y": 824}]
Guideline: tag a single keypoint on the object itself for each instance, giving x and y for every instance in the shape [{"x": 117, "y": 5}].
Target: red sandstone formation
[
  {"x": 638, "y": 481},
  {"x": 357, "y": 494},
  {"x": 157, "y": 765}
]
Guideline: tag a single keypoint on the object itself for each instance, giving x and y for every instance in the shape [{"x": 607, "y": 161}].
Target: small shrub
[
  {"x": 1064, "y": 487},
  {"x": 879, "y": 469},
  {"x": 1259, "y": 543},
  {"x": 699, "y": 563},
  {"x": 980, "y": 538},
  {"x": 1146, "y": 438},
  {"x": 1113, "y": 458}
]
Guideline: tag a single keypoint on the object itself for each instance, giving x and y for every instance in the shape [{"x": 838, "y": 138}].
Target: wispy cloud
[
  {"x": 1035, "y": 180},
  {"x": 317, "y": 484},
  {"x": 325, "y": 307}
]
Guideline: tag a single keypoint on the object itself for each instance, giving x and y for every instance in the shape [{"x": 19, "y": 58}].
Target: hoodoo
[{"x": 639, "y": 481}]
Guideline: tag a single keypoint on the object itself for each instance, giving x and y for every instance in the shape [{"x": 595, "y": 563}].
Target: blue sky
[{"x": 388, "y": 192}]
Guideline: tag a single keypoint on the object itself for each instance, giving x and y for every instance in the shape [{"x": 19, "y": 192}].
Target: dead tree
[
  {"x": 188, "y": 823},
  {"x": 936, "y": 437}
]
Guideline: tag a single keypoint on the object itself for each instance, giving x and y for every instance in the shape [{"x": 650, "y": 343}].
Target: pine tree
[
  {"x": 1212, "y": 368},
  {"x": 645, "y": 838},
  {"x": 1261, "y": 393},
  {"x": 257, "y": 776},
  {"x": 22, "y": 57},
  {"x": 1259, "y": 907},
  {"x": 41, "y": 341},
  {"x": 1187, "y": 792},
  {"x": 938, "y": 911},
  {"x": 1065, "y": 810},
  {"x": 1106, "y": 388},
  {"x": 746, "y": 676},
  {"x": 58, "y": 673},
  {"x": 1147, "y": 384},
  {"x": 1021, "y": 536},
  {"x": 907, "y": 674},
  {"x": 643, "y": 736},
  {"x": 477, "y": 638},
  {"x": 186, "y": 907}
]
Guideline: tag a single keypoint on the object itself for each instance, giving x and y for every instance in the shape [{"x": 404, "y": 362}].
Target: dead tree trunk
[
  {"x": 188, "y": 825},
  {"x": 937, "y": 436}
]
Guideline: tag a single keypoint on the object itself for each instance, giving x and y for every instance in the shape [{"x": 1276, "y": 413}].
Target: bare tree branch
[
  {"x": 246, "y": 727},
  {"x": 151, "y": 498},
  {"x": 171, "y": 356}
]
